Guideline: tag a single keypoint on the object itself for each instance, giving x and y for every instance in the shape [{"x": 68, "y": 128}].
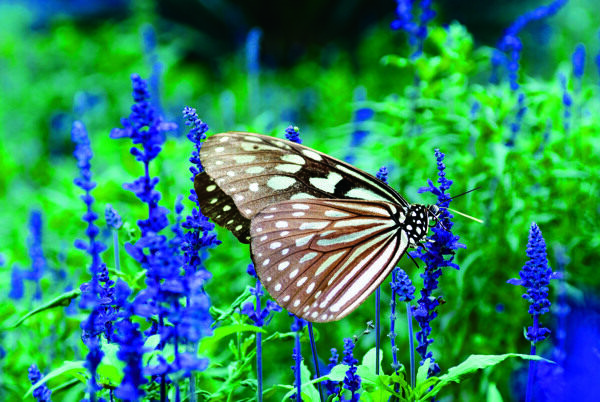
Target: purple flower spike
[
  {"x": 41, "y": 393},
  {"x": 535, "y": 277},
  {"x": 439, "y": 253},
  {"x": 332, "y": 387},
  {"x": 352, "y": 380}
]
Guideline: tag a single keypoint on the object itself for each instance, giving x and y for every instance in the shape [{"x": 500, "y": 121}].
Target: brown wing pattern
[{"x": 321, "y": 258}]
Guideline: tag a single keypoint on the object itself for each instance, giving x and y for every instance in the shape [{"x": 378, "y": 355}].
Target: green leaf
[
  {"x": 61, "y": 301},
  {"x": 111, "y": 368},
  {"x": 369, "y": 360},
  {"x": 74, "y": 368},
  {"x": 338, "y": 373},
  {"x": 493, "y": 395},
  {"x": 221, "y": 332},
  {"x": 473, "y": 363},
  {"x": 422, "y": 372}
]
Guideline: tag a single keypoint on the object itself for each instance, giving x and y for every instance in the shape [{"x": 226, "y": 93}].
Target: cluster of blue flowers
[
  {"x": 352, "y": 380},
  {"x": 510, "y": 43},
  {"x": 439, "y": 253},
  {"x": 406, "y": 21},
  {"x": 174, "y": 300},
  {"x": 259, "y": 316},
  {"x": 41, "y": 393},
  {"x": 402, "y": 291},
  {"x": 292, "y": 134}
]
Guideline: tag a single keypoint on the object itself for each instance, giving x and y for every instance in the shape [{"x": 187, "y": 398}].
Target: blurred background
[{"x": 263, "y": 65}]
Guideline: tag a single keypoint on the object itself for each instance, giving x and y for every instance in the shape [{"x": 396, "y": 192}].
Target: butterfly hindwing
[
  {"x": 257, "y": 170},
  {"x": 321, "y": 258}
]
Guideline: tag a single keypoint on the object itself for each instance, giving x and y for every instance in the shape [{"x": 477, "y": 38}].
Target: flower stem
[
  {"x": 116, "y": 247},
  {"x": 259, "y": 350},
  {"x": 298, "y": 360},
  {"x": 313, "y": 348},
  {"x": 377, "y": 328},
  {"x": 531, "y": 373},
  {"x": 411, "y": 345}
]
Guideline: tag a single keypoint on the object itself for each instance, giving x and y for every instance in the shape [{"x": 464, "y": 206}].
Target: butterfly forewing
[
  {"x": 219, "y": 207},
  {"x": 321, "y": 258},
  {"x": 257, "y": 170}
]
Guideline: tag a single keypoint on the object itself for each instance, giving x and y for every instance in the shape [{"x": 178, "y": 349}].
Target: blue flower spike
[{"x": 535, "y": 276}]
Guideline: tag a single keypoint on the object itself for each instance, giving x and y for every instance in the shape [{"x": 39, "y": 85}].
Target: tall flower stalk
[
  {"x": 199, "y": 237},
  {"x": 535, "y": 276},
  {"x": 94, "y": 296},
  {"x": 260, "y": 316},
  {"x": 439, "y": 253},
  {"x": 403, "y": 291},
  {"x": 297, "y": 326},
  {"x": 146, "y": 128}
]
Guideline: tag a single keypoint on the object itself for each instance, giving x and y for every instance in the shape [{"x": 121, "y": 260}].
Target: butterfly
[{"x": 323, "y": 234}]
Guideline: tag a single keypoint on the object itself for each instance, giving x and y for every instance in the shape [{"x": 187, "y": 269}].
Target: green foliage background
[{"x": 552, "y": 181}]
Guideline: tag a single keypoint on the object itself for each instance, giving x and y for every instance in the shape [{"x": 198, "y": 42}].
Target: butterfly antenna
[
  {"x": 465, "y": 215},
  {"x": 413, "y": 260},
  {"x": 466, "y": 192}
]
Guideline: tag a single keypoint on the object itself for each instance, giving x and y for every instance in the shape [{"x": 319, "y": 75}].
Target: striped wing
[
  {"x": 255, "y": 171},
  {"x": 321, "y": 258}
]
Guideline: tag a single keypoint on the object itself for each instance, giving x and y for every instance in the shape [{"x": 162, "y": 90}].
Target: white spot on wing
[
  {"x": 278, "y": 287},
  {"x": 219, "y": 149},
  {"x": 301, "y": 196},
  {"x": 301, "y": 281},
  {"x": 288, "y": 168},
  {"x": 330, "y": 213},
  {"x": 210, "y": 188},
  {"x": 364, "y": 194},
  {"x": 281, "y": 224},
  {"x": 313, "y": 225},
  {"x": 280, "y": 182},
  {"x": 308, "y": 257},
  {"x": 253, "y": 187},
  {"x": 242, "y": 159},
  {"x": 292, "y": 158},
  {"x": 275, "y": 245},
  {"x": 304, "y": 240},
  {"x": 300, "y": 206},
  {"x": 298, "y": 214},
  {"x": 312, "y": 154},
  {"x": 283, "y": 265},
  {"x": 328, "y": 184},
  {"x": 310, "y": 288},
  {"x": 255, "y": 170}
]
